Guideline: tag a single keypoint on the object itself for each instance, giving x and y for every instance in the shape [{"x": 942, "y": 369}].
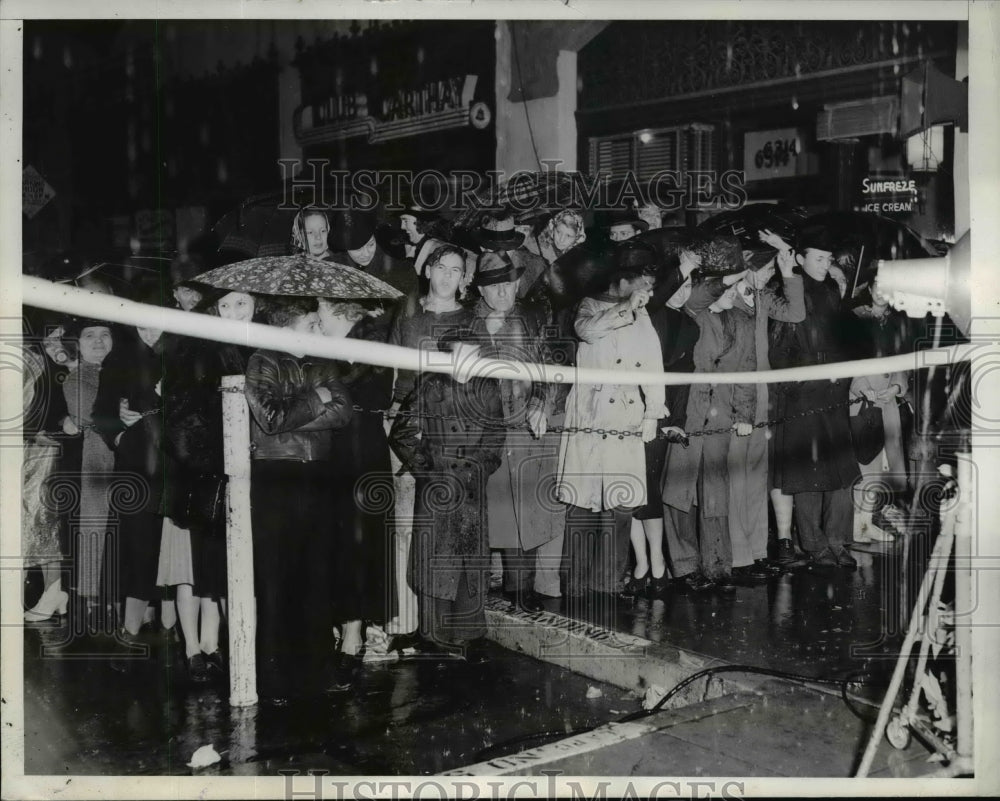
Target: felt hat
[
  {"x": 817, "y": 237},
  {"x": 414, "y": 208},
  {"x": 351, "y": 228},
  {"x": 496, "y": 232},
  {"x": 74, "y": 326},
  {"x": 624, "y": 216},
  {"x": 496, "y": 268}
]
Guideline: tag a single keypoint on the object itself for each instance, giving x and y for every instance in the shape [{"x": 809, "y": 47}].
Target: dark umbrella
[
  {"x": 864, "y": 238},
  {"x": 261, "y": 225},
  {"x": 119, "y": 273},
  {"x": 522, "y": 192},
  {"x": 746, "y": 223},
  {"x": 299, "y": 275},
  {"x": 666, "y": 241}
]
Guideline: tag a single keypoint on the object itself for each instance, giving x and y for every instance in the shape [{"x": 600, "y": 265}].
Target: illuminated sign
[
  {"x": 434, "y": 106},
  {"x": 889, "y": 195}
]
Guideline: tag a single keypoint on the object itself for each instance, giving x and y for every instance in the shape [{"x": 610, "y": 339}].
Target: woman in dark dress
[
  {"x": 361, "y": 483},
  {"x": 128, "y": 413},
  {"x": 193, "y": 550}
]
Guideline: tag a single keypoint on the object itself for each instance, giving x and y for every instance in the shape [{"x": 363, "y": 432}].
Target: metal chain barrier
[{"x": 492, "y": 424}]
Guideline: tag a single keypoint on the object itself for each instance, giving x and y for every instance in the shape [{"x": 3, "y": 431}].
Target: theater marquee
[{"x": 435, "y": 106}]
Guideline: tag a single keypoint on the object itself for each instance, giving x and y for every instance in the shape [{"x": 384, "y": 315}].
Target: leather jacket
[{"x": 289, "y": 419}]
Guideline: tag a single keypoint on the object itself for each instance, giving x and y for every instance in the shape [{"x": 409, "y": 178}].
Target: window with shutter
[
  {"x": 648, "y": 152},
  {"x": 611, "y": 156},
  {"x": 657, "y": 151}
]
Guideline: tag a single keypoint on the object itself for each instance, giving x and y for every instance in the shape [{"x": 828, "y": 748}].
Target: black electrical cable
[
  {"x": 524, "y": 100},
  {"x": 850, "y": 704},
  {"x": 486, "y": 754}
]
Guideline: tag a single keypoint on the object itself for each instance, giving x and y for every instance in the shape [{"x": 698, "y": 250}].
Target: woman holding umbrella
[{"x": 298, "y": 404}]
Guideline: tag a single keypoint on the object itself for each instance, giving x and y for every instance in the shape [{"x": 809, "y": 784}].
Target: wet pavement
[
  {"x": 421, "y": 716},
  {"x": 804, "y": 622},
  {"x": 409, "y": 717}
]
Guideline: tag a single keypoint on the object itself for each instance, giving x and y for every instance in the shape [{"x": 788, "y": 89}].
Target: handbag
[
  {"x": 867, "y": 432},
  {"x": 204, "y": 501}
]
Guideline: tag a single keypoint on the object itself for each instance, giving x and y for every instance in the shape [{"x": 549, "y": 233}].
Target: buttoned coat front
[{"x": 604, "y": 471}]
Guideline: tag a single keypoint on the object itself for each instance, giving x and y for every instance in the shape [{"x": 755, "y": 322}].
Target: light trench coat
[{"x": 606, "y": 471}]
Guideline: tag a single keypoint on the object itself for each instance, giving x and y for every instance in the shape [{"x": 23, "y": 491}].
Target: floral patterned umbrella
[{"x": 298, "y": 275}]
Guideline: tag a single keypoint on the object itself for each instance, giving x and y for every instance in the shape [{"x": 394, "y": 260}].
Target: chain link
[
  {"x": 492, "y": 424},
  {"x": 610, "y": 431}
]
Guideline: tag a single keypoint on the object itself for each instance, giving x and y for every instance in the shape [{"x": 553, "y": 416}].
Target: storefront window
[{"x": 649, "y": 152}]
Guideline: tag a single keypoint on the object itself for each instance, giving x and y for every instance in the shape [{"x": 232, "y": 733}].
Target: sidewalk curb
[{"x": 623, "y": 660}]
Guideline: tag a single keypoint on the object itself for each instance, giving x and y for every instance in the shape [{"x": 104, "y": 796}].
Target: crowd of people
[{"x": 391, "y": 500}]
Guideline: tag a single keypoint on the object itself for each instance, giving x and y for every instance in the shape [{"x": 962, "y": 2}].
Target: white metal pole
[
  {"x": 71, "y": 300},
  {"x": 964, "y": 526},
  {"x": 239, "y": 544}
]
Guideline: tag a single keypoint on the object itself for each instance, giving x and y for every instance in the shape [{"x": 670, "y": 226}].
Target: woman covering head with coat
[{"x": 697, "y": 477}]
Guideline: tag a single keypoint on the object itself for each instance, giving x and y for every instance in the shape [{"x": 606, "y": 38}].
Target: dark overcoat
[
  {"x": 452, "y": 448},
  {"x": 813, "y": 452},
  {"x": 518, "y": 511}
]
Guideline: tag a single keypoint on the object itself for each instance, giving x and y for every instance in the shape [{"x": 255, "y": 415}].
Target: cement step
[{"x": 623, "y": 660}]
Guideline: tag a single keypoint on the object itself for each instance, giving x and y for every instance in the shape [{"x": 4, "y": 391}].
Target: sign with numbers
[{"x": 774, "y": 154}]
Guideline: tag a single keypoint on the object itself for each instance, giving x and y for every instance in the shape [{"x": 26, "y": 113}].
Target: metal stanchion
[
  {"x": 964, "y": 608},
  {"x": 239, "y": 544},
  {"x": 954, "y": 539}
]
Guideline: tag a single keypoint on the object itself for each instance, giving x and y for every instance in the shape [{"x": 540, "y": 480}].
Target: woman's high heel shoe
[
  {"x": 50, "y": 607},
  {"x": 659, "y": 586},
  {"x": 637, "y": 586},
  {"x": 345, "y": 671}
]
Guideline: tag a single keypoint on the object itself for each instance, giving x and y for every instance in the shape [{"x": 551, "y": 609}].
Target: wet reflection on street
[{"x": 422, "y": 716}]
